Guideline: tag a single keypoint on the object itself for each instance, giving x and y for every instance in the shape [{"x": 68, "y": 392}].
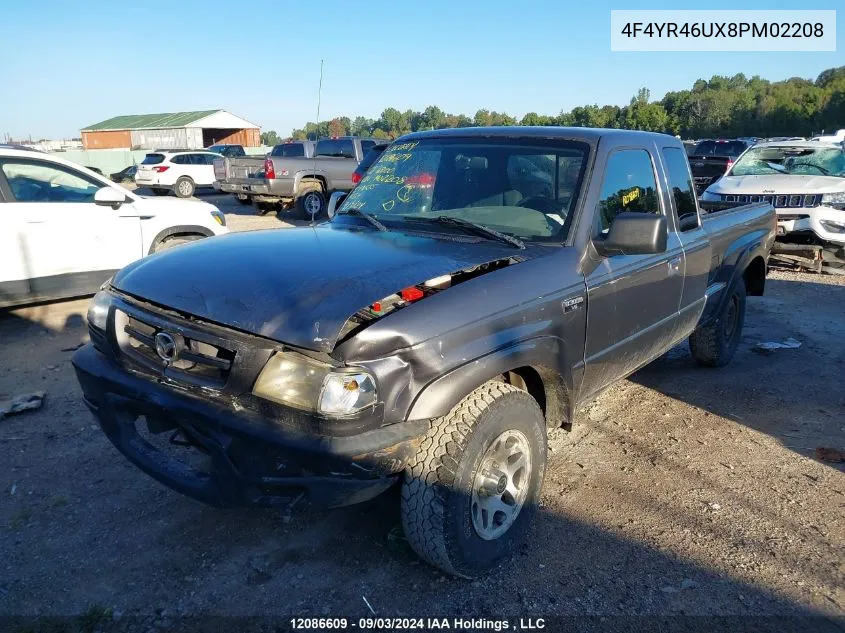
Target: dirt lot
[{"x": 681, "y": 492}]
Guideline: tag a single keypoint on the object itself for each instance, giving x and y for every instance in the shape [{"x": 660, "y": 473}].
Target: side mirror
[
  {"x": 108, "y": 197},
  {"x": 334, "y": 202},
  {"x": 634, "y": 234}
]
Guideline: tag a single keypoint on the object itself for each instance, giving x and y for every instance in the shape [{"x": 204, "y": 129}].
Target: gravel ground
[{"x": 681, "y": 492}]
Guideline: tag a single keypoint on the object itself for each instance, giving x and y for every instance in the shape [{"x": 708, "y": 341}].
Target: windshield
[
  {"x": 523, "y": 188},
  {"x": 796, "y": 161},
  {"x": 370, "y": 157}
]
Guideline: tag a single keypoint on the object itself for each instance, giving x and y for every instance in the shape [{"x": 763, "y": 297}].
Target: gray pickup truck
[
  {"x": 302, "y": 182},
  {"x": 475, "y": 289}
]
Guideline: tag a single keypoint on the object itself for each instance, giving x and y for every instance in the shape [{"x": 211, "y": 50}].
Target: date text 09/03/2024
[{"x": 418, "y": 624}]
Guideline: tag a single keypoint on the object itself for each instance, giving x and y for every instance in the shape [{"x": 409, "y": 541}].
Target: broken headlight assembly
[
  {"x": 835, "y": 200},
  {"x": 305, "y": 383}
]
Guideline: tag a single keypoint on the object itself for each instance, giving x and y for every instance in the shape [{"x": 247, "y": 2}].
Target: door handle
[{"x": 674, "y": 266}]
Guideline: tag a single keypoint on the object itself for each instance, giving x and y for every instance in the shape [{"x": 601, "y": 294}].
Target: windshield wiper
[
  {"x": 480, "y": 229},
  {"x": 363, "y": 214}
]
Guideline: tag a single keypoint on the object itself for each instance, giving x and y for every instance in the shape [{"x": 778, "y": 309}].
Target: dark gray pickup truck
[{"x": 469, "y": 294}]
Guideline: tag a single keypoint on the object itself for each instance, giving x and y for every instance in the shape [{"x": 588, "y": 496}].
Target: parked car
[
  {"x": 228, "y": 150},
  {"x": 426, "y": 335},
  {"x": 299, "y": 182},
  {"x": 182, "y": 172},
  {"x": 804, "y": 180},
  {"x": 125, "y": 174},
  {"x": 66, "y": 230},
  {"x": 839, "y": 137},
  {"x": 712, "y": 158}
]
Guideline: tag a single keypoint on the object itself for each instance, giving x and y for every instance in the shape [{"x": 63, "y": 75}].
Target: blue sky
[{"x": 70, "y": 64}]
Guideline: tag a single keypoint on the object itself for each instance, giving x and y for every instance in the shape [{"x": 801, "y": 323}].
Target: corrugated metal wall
[
  {"x": 247, "y": 138},
  {"x": 169, "y": 138}
]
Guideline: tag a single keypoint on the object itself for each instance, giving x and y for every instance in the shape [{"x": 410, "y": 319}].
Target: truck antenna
[{"x": 317, "y": 124}]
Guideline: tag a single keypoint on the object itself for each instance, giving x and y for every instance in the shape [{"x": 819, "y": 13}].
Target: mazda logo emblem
[{"x": 166, "y": 347}]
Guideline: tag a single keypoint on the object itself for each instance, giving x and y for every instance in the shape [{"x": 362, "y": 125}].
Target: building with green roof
[{"x": 171, "y": 130}]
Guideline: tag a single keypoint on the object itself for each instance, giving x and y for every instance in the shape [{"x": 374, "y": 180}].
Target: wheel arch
[
  {"x": 528, "y": 365},
  {"x": 178, "y": 231},
  {"x": 310, "y": 175}
]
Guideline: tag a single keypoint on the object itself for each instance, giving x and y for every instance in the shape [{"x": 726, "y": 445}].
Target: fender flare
[
  {"x": 310, "y": 174},
  {"x": 541, "y": 354},
  {"x": 746, "y": 256},
  {"x": 182, "y": 229}
]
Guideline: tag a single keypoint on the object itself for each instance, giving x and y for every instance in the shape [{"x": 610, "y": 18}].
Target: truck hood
[
  {"x": 300, "y": 285},
  {"x": 777, "y": 184}
]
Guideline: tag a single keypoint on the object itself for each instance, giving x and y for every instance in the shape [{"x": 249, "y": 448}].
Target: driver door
[{"x": 69, "y": 244}]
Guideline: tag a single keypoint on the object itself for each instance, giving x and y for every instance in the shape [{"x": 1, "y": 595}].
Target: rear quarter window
[{"x": 153, "y": 159}]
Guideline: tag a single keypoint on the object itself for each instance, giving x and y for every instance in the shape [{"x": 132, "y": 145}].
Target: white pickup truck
[{"x": 64, "y": 229}]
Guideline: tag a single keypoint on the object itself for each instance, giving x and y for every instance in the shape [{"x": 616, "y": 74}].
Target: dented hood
[{"x": 296, "y": 286}]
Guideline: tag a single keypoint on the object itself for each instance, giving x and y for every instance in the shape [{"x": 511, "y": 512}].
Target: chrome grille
[
  {"x": 196, "y": 361},
  {"x": 781, "y": 201}
]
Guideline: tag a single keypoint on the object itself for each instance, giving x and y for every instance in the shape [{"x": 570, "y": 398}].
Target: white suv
[
  {"x": 182, "y": 172},
  {"x": 64, "y": 229}
]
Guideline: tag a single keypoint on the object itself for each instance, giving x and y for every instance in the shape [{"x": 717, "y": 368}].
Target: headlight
[
  {"x": 219, "y": 217},
  {"x": 298, "y": 381},
  {"x": 835, "y": 200},
  {"x": 98, "y": 310}
]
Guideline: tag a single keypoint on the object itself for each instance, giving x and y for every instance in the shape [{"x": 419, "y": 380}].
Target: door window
[
  {"x": 629, "y": 186},
  {"x": 35, "y": 181},
  {"x": 182, "y": 159},
  {"x": 683, "y": 192}
]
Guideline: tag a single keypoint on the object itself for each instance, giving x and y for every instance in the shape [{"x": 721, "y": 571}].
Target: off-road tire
[
  {"x": 715, "y": 345},
  {"x": 438, "y": 482},
  {"x": 309, "y": 190},
  {"x": 184, "y": 187}
]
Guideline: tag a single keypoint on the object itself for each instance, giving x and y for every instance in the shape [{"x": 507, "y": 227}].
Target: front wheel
[
  {"x": 715, "y": 344},
  {"x": 470, "y": 492}
]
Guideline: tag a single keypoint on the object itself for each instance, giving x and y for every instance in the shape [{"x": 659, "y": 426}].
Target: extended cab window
[
  {"x": 34, "y": 181},
  {"x": 629, "y": 186},
  {"x": 683, "y": 192}
]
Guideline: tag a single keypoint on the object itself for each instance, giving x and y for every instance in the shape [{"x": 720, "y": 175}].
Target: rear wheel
[
  {"x": 184, "y": 187},
  {"x": 470, "y": 492},
  {"x": 715, "y": 344},
  {"x": 311, "y": 201}
]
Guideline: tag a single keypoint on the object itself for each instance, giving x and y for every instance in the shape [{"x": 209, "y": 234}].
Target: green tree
[{"x": 270, "y": 138}]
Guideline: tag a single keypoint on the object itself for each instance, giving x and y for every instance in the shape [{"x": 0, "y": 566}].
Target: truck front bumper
[{"x": 249, "y": 460}]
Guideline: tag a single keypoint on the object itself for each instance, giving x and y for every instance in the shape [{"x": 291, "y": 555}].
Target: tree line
[{"x": 721, "y": 107}]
